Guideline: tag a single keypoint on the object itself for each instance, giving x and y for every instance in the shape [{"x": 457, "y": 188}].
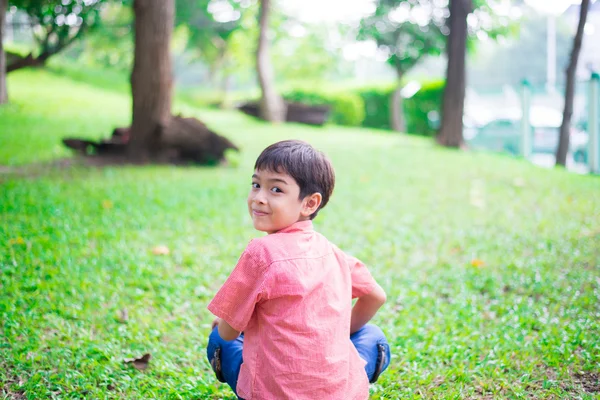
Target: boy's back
[
  {"x": 291, "y": 295},
  {"x": 291, "y": 292}
]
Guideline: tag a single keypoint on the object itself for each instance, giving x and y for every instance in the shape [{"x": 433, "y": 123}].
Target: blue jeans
[{"x": 370, "y": 342}]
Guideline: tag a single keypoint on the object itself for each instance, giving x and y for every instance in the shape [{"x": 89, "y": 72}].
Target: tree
[
  {"x": 451, "y": 130},
  {"x": 523, "y": 56},
  {"x": 3, "y": 91},
  {"x": 110, "y": 44},
  {"x": 155, "y": 135},
  {"x": 55, "y": 24},
  {"x": 406, "y": 30},
  {"x": 565, "y": 127},
  {"x": 214, "y": 35},
  {"x": 303, "y": 51},
  {"x": 272, "y": 107},
  {"x": 151, "y": 78}
]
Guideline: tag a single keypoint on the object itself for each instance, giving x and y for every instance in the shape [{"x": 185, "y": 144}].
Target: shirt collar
[{"x": 300, "y": 226}]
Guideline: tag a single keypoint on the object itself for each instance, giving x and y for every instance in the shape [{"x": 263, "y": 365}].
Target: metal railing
[{"x": 592, "y": 125}]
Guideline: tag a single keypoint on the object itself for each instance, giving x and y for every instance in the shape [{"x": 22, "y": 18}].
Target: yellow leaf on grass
[
  {"x": 18, "y": 240},
  {"x": 476, "y": 262},
  {"x": 106, "y": 204},
  {"x": 161, "y": 250}
]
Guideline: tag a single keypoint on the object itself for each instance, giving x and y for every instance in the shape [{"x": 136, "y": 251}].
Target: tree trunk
[
  {"x": 565, "y": 127},
  {"x": 151, "y": 78},
  {"x": 3, "y": 90},
  {"x": 272, "y": 107},
  {"x": 397, "y": 109},
  {"x": 451, "y": 131}
]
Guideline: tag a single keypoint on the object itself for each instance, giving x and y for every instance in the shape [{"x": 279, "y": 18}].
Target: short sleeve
[
  {"x": 240, "y": 293},
  {"x": 362, "y": 280}
]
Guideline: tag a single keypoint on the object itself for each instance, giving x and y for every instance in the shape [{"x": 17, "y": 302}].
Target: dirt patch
[
  {"x": 39, "y": 169},
  {"x": 589, "y": 380},
  {"x": 6, "y": 392}
]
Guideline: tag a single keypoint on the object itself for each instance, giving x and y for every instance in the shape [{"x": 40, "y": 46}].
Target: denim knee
[
  {"x": 373, "y": 347},
  {"x": 214, "y": 340},
  {"x": 230, "y": 356}
]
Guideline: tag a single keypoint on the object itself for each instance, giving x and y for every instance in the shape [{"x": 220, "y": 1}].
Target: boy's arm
[
  {"x": 226, "y": 331},
  {"x": 364, "y": 309},
  {"x": 242, "y": 291}
]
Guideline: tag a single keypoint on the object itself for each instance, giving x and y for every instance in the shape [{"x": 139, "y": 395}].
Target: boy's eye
[
  {"x": 255, "y": 185},
  {"x": 276, "y": 190}
]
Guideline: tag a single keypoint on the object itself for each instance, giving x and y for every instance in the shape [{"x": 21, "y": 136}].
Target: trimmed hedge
[
  {"x": 377, "y": 106},
  {"x": 370, "y": 107},
  {"x": 416, "y": 109},
  {"x": 346, "y": 108}
]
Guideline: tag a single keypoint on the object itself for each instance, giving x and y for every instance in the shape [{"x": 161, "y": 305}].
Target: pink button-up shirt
[{"x": 291, "y": 293}]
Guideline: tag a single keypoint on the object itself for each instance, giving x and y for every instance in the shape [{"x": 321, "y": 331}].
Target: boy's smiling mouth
[{"x": 259, "y": 213}]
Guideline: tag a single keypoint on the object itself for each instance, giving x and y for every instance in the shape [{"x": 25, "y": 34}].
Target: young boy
[{"x": 291, "y": 294}]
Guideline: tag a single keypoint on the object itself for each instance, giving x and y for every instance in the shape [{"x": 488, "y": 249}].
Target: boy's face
[{"x": 274, "y": 201}]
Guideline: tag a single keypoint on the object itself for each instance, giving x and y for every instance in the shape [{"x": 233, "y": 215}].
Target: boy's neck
[{"x": 302, "y": 219}]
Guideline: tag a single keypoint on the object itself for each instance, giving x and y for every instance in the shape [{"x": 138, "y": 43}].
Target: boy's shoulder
[
  {"x": 259, "y": 249},
  {"x": 281, "y": 247}
]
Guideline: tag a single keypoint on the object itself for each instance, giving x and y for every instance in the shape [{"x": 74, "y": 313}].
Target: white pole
[
  {"x": 525, "y": 124},
  {"x": 594, "y": 125}
]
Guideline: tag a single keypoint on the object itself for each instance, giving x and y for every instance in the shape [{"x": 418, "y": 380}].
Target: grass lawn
[{"x": 491, "y": 265}]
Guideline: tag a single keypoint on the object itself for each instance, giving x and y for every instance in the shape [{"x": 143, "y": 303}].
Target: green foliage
[
  {"x": 208, "y": 20},
  {"x": 307, "y": 55},
  {"x": 224, "y": 33},
  {"x": 370, "y": 107},
  {"x": 377, "y": 106},
  {"x": 492, "y": 20},
  {"x": 407, "y": 30},
  {"x": 426, "y": 104},
  {"x": 417, "y": 109},
  {"x": 61, "y": 22},
  {"x": 346, "y": 108},
  {"x": 111, "y": 44},
  {"x": 220, "y": 33},
  {"x": 485, "y": 297}
]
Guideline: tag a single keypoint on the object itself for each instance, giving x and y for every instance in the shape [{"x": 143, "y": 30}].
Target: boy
[{"x": 291, "y": 294}]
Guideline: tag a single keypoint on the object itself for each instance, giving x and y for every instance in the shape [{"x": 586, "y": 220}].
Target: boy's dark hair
[{"x": 309, "y": 167}]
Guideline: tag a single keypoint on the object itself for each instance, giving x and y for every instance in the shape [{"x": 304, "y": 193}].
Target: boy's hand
[{"x": 215, "y": 323}]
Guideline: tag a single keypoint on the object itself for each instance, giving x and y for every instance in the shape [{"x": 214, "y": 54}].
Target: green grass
[
  {"x": 44, "y": 109},
  {"x": 106, "y": 79},
  {"x": 76, "y": 249}
]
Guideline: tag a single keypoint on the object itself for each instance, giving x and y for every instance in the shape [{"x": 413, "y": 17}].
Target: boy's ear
[{"x": 311, "y": 203}]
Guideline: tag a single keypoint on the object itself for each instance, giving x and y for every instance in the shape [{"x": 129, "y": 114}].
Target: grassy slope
[{"x": 76, "y": 249}]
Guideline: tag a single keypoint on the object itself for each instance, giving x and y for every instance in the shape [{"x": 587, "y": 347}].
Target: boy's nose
[{"x": 260, "y": 197}]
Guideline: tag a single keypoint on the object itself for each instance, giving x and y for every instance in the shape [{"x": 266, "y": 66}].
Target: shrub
[
  {"x": 346, "y": 108},
  {"x": 377, "y": 106},
  {"x": 370, "y": 106},
  {"x": 417, "y": 109}
]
